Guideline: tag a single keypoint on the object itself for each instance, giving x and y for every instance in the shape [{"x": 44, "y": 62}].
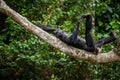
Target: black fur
[{"x": 74, "y": 40}]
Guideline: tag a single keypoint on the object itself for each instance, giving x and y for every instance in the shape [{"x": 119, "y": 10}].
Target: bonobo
[{"x": 74, "y": 40}]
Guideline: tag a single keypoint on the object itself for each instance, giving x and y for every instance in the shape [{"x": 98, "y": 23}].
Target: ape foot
[
  {"x": 112, "y": 33},
  {"x": 97, "y": 51}
]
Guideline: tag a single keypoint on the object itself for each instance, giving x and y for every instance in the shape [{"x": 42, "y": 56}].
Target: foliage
[{"x": 25, "y": 57}]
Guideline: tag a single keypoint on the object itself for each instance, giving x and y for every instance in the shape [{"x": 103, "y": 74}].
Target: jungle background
[{"x": 25, "y": 57}]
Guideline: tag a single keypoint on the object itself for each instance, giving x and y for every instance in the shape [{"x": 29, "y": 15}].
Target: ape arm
[
  {"x": 74, "y": 35},
  {"x": 88, "y": 37}
]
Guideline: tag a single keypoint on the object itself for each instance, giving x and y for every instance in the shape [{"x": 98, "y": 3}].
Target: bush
[{"x": 25, "y": 57}]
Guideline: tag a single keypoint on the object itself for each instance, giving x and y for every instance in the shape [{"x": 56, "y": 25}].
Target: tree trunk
[{"x": 53, "y": 41}]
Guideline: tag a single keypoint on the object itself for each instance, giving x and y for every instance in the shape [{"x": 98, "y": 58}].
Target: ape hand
[{"x": 98, "y": 51}]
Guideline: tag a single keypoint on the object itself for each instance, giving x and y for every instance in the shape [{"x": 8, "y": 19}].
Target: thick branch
[{"x": 76, "y": 53}]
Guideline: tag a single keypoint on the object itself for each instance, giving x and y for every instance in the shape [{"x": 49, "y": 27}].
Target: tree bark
[{"x": 53, "y": 41}]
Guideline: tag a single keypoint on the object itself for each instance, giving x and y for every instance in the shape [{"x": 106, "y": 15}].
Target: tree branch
[{"x": 53, "y": 41}]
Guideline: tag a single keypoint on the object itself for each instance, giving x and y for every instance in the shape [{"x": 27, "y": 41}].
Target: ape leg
[
  {"x": 88, "y": 36},
  {"x": 112, "y": 37},
  {"x": 89, "y": 39}
]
